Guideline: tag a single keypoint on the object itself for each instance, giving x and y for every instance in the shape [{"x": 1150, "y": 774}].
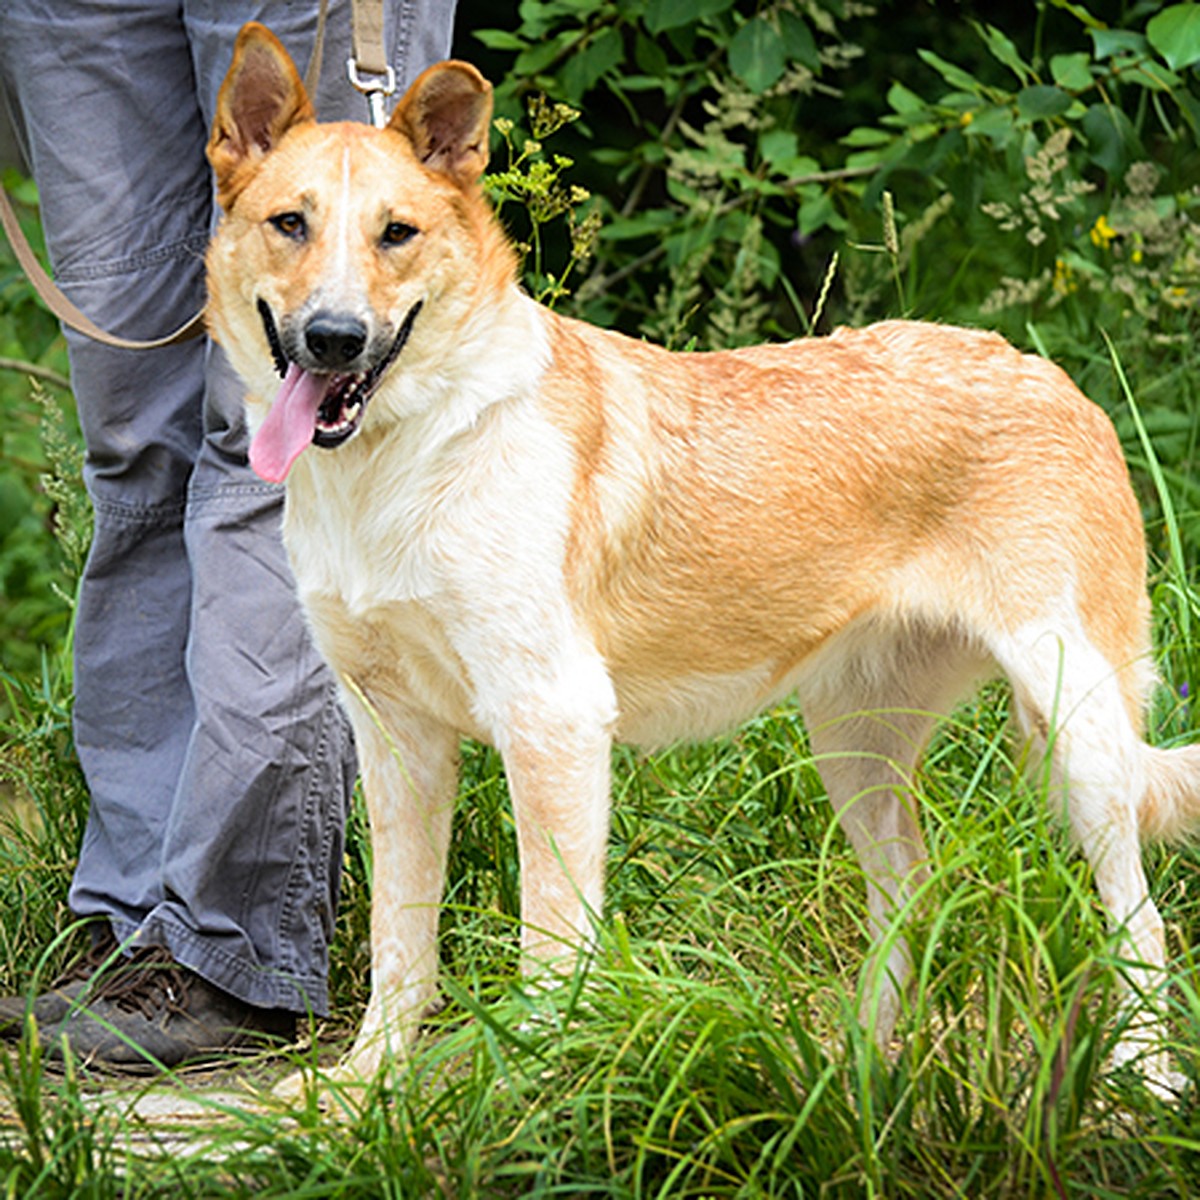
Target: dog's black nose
[{"x": 335, "y": 340}]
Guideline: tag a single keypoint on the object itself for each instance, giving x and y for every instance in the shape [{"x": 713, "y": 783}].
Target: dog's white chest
[{"x": 426, "y": 573}]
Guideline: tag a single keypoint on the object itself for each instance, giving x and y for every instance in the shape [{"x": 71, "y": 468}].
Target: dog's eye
[
  {"x": 397, "y": 233},
  {"x": 291, "y": 225}
]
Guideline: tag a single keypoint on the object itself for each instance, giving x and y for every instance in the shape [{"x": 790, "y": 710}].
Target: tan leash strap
[
  {"x": 312, "y": 77},
  {"x": 368, "y": 69},
  {"x": 54, "y": 299},
  {"x": 369, "y": 52}
]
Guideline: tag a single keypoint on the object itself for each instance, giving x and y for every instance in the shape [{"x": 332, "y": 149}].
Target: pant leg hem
[{"x": 259, "y": 986}]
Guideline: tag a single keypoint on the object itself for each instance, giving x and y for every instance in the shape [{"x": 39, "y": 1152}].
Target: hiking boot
[
  {"x": 64, "y": 993},
  {"x": 156, "y": 1013}
]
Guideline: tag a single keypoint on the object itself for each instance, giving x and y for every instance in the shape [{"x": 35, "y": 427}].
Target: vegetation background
[{"x": 708, "y": 173}]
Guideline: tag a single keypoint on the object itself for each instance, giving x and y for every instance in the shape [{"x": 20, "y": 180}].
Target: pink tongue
[{"x": 289, "y": 425}]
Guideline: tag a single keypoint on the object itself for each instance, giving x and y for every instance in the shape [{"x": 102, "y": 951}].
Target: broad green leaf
[
  {"x": 756, "y": 55},
  {"x": 1072, "y": 71},
  {"x": 650, "y": 56},
  {"x": 1116, "y": 41},
  {"x": 816, "y": 214},
  {"x": 500, "y": 39},
  {"x": 1079, "y": 13},
  {"x": 864, "y": 135},
  {"x": 539, "y": 16},
  {"x": 959, "y": 102},
  {"x": 778, "y": 146},
  {"x": 1042, "y": 100},
  {"x": 662, "y": 15},
  {"x": 1152, "y": 73},
  {"x": 586, "y": 66},
  {"x": 798, "y": 40},
  {"x": 995, "y": 123},
  {"x": 1175, "y": 34},
  {"x": 1112, "y": 140},
  {"x": 1004, "y": 51},
  {"x": 542, "y": 54},
  {"x": 904, "y": 101},
  {"x": 802, "y": 165},
  {"x": 654, "y": 220}
]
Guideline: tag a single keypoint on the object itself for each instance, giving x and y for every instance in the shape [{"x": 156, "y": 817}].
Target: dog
[{"x": 514, "y": 526}]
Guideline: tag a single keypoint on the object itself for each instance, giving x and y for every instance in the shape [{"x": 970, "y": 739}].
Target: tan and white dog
[{"x": 517, "y": 527}]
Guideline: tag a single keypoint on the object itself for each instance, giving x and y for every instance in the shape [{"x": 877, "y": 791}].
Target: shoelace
[
  {"x": 84, "y": 967},
  {"x": 148, "y": 981}
]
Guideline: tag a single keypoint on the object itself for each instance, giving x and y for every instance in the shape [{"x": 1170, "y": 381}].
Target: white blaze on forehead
[
  {"x": 343, "y": 274},
  {"x": 341, "y": 284}
]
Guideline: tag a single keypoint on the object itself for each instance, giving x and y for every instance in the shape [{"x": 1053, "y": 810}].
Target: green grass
[{"x": 708, "y": 1047}]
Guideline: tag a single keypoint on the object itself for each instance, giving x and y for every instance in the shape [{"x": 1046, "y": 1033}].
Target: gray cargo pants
[{"x": 219, "y": 762}]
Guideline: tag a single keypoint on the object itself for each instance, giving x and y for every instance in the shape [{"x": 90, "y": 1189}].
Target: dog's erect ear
[
  {"x": 447, "y": 115},
  {"x": 261, "y": 98}
]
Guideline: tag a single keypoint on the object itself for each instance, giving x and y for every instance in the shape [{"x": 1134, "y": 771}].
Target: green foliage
[
  {"x": 33, "y": 617},
  {"x": 535, "y": 186},
  {"x": 1071, "y": 176},
  {"x": 43, "y": 542},
  {"x": 43, "y": 798},
  {"x": 697, "y": 149},
  {"x": 713, "y": 172}
]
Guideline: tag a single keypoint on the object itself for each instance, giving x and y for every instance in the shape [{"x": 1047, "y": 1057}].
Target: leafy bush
[
  {"x": 699, "y": 119},
  {"x": 33, "y": 617},
  {"x": 693, "y": 144},
  {"x": 1069, "y": 182}
]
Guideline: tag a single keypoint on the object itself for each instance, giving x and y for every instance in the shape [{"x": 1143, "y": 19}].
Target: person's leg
[
  {"x": 125, "y": 224},
  {"x": 218, "y": 761}
]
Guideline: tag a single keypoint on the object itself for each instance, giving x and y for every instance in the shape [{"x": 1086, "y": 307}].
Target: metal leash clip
[{"x": 376, "y": 88}]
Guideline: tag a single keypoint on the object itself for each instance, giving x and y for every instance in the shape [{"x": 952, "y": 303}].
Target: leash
[
  {"x": 56, "y": 301},
  {"x": 369, "y": 72},
  {"x": 369, "y": 58}
]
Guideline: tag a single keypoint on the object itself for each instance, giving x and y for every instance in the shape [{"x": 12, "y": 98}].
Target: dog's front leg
[
  {"x": 557, "y": 755},
  {"x": 409, "y": 765}
]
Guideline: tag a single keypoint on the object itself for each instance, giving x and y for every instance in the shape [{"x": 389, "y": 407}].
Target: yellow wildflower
[
  {"x": 1064, "y": 283},
  {"x": 1102, "y": 232}
]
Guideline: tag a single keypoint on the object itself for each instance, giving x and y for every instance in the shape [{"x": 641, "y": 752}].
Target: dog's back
[{"x": 904, "y": 473}]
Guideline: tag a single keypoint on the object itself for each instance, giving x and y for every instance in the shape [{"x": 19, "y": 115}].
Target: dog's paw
[
  {"x": 344, "y": 1088},
  {"x": 293, "y": 1089},
  {"x": 1154, "y": 1068},
  {"x": 338, "y": 1092}
]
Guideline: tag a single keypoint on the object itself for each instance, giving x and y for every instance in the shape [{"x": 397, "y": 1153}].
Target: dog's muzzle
[{"x": 318, "y": 405}]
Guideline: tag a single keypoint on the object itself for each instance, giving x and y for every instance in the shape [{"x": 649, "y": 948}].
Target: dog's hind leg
[
  {"x": 870, "y": 705},
  {"x": 1070, "y": 704}
]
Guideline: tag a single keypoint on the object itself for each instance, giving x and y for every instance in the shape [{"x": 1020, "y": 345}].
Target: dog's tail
[{"x": 1170, "y": 804}]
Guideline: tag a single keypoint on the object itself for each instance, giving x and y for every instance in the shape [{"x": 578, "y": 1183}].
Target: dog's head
[{"x": 341, "y": 244}]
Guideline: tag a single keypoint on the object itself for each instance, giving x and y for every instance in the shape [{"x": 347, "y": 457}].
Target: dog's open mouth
[{"x": 312, "y": 407}]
